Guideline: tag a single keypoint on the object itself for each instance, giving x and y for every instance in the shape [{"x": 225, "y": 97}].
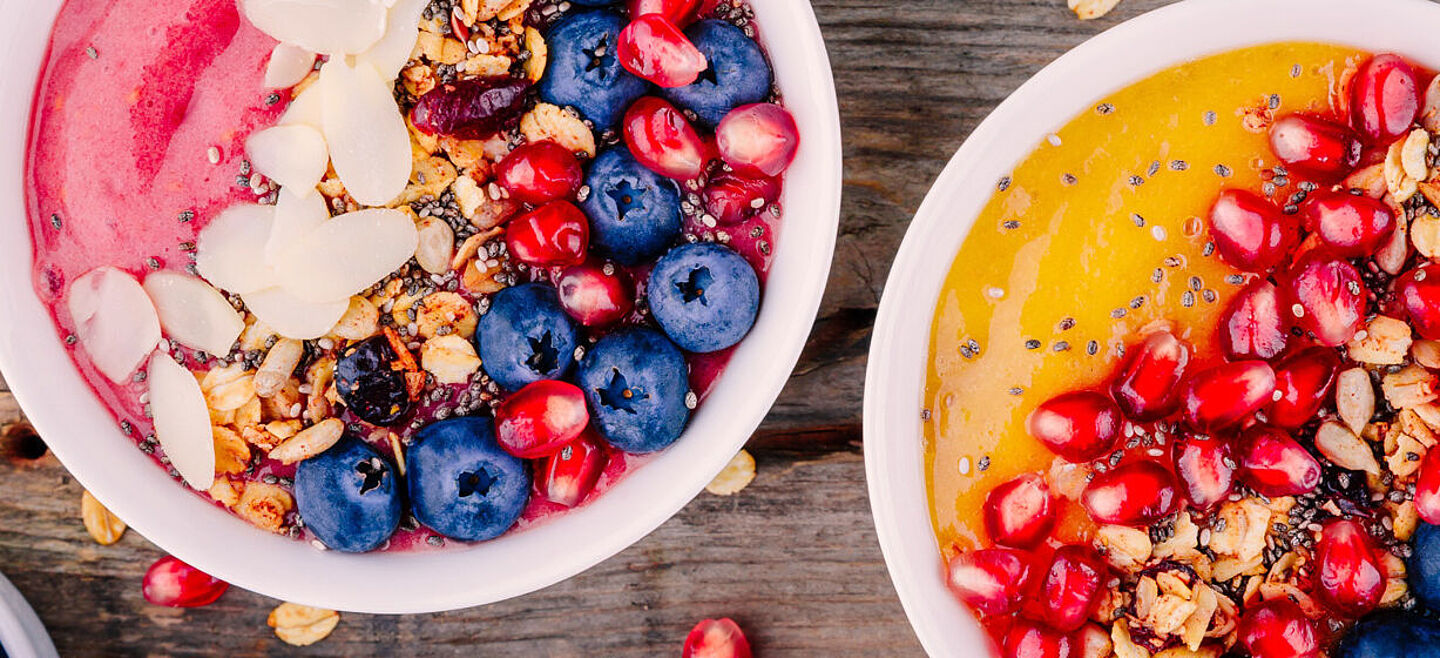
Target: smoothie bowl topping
[{"x": 426, "y": 269}]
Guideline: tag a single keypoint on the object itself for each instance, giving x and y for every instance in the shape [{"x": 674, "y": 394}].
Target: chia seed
[
  {"x": 91, "y": 52},
  {"x": 1004, "y": 183},
  {"x": 1016, "y": 390},
  {"x": 1061, "y": 346},
  {"x": 1179, "y": 165},
  {"x": 1104, "y": 109},
  {"x": 1032, "y": 344},
  {"x": 1011, "y": 224},
  {"x": 1069, "y": 179},
  {"x": 984, "y": 463},
  {"x": 1138, "y": 219},
  {"x": 1210, "y": 118},
  {"x": 1222, "y": 171},
  {"x": 1118, "y": 313},
  {"x": 55, "y": 221},
  {"x": 1092, "y": 348}
]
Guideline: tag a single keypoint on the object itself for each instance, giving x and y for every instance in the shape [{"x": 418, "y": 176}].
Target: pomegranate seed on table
[
  {"x": 733, "y": 198},
  {"x": 1071, "y": 588},
  {"x": 1351, "y": 226},
  {"x": 662, "y": 139},
  {"x": 557, "y": 233},
  {"x": 173, "y": 583},
  {"x": 1427, "y": 488},
  {"x": 1330, "y": 295},
  {"x": 759, "y": 139},
  {"x": 680, "y": 12},
  {"x": 539, "y": 419},
  {"x": 1250, "y": 233},
  {"x": 1278, "y": 629},
  {"x": 569, "y": 474},
  {"x": 595, "y": 294},
  {"x": 1135, "y": 494},
  {"x": 1384, "y": 98},
  {"x": 716, "y": 638},
  {"x": 1222, "y": 396},
  {"x": 539, "y": 172},
  {"x": 990, "y": 580},
  {"x": 1147, "y": 386},
  {"x": 1028, "y": 639},
  {"x": 1348, "y": 577},
  {"x": 1418, "y": 293},
  {"x": 1314, "y": 146},
  {"x": 1020, "y": 513},
  {"x": 470, "y": 109},
  {"x": 1254, "y": 326},
  {"x": 1304, "y": 380},
  {"x": 1205, "y": 469},
  {"x": 652, "y": 48},
  {"x": 1273, "y": 464},
  {"x": 1078, "y": 426}
]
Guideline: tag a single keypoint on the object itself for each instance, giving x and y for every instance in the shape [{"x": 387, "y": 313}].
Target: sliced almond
[
  {"x": 182, "y": 421},
  {"x": 348, "y": 254},
  {"x": 1087, "y": 10},
  {"x": 1425, "y": 235},
  {"x": 296, "y": 216},
  {"x": 194, "y": 313},
  {"x": 332, "y": 27},
  {"x": 230, "y": 250},
  {"x": 1385, "y": 341},
  {"x": 114, "y": 319},
  {"x": 402, "y": 27},
  {"x": 360, "y": 321},
  {"x": 369, "y": 143},
  {"x": 1392, "y": 255},
  {"x": 302, "y": 625},
  {"x": 104, "y": 527},
  {"x": 1412, "y": 154},
  {"x": 1345, "y": 449},
  {"x": 309, "y": 442},
  {"x": 293, "y": 317},
  {"x": 1410, "y": 386},
  {"x": 306, "y": 109},
  {"x": 736, "y": 475},
  {"x": 288, "y": 65},
  {"x": 1354, "y": 398},
  {"x": 294, "y": 156}
]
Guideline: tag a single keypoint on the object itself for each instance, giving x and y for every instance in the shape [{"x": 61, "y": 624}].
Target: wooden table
[{"x": 794, "y": 557}]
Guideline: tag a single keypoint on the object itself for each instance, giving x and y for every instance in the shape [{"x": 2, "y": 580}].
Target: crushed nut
[
  {"x": 448, "y": 313},
  {"x": 548, "y": 122},
  {"x": 736, "y": 475},
  {"x": 1354, "y": 398},
  {"x": 360, "y": 321},
  {"x": 104, "y": 527},
  {"x": 451, "y": 359},
  {"x": 309, "y": 442},
  {"x": 1338, "y": 444},
  {"x": 232, "y": 453},
  {"x": 279, "y": 362},
  {"x": 1410, "y": 386},
  {"x": 265, "y": 506},
  {"x": 1125, "y": 548},
  {"x": 1385, "y": 341}
]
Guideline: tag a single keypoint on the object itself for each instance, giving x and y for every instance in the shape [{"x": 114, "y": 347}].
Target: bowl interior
[
  {"x": 85, "y": 437},
  {"x": 894, "y": 387}
]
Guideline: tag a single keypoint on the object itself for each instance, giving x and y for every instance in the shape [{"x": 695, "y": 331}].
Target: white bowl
[
  {"x": 895, "y": 379},
  {"x": 21, "y": 633},
  {"x": 85, "y": 437}
]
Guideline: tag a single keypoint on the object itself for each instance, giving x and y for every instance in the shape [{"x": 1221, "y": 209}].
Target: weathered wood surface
[{"x": 793, "y": 557}]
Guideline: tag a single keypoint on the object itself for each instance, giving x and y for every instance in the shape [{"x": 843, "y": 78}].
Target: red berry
[
  {"x": 596, "y": 295},
  {"x": 1314, "y": 146},
  {"x": 1072, "y": 587},
  {"x": 758, "y": 139},
  {"x": 1250, "y": 233},
  {"x": 1147, "y": 386},
  {"x": 539, "y": 172},
  {"x": 1418, "y": 292},
  {"x": 990, "y": 580},
  {"x": 1331, "y": 296},
  {"x": 1304, "y": 380},
  {"x": 178, "y": 585},
  {"x": 1077, "y": 426},
  {"x": 1348, "y": 576},
  {"x": 661, "y": 138},
  {"x": 470, "y": 109},
  {"x": 1254, "y": 326},
  {"x": 569, "y": 475},
  {"x": 652, "y": 48},
  {"x": 1134, "y": 494},
  {"x": 1222, "y": 396},
  {"x": 542, "y": 417},
  {"x": 1352, "y": 226},
  {"x": 1273, "y": 464},
  {"x": 1278, "y": 629},
  {"x": 732, "y": 198},
  {"x": 1427, "y": 488},
  {"x": 1027, "y": 639},
  {"x": 554, "y": 234},
  {"x": 1020, "y": 512},
  {"x": 716, "y": 638},
  {"x": 1205, "y": 469},
  {"x": 680, "y": 12},
  {"x": 1384, "y": 98}
]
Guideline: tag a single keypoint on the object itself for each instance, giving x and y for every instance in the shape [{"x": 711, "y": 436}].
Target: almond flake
[
  {"x": 104, "y": 527},
  {"x": 302, "y": 625},
  {"x": 736, "y": 475}
]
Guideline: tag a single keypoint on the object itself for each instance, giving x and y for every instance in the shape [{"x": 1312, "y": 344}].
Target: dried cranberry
[{"x": 471, "y": 109}]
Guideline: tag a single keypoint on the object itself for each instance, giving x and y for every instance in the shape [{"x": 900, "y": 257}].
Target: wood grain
[{"x": 793, "y": 557}]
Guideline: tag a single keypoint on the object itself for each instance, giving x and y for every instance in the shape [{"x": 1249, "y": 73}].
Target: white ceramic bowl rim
[
  {"x": 82, "y": 433},
  {"x": 1127, "y": 53}
]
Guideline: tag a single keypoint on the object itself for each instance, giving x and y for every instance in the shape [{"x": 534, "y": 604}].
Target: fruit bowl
[
  {"x": 85, "y": 436},
  {"x": 895, "y": 384}
]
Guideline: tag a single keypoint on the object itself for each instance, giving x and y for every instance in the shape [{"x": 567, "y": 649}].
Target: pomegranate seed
[
  {"x": 1072, "y": 587},
  {"x": 176, "y": 584},
  {"x": 732, "y": 198},
  {"x": 1020, "y": 513},
  {"x": 758, "y": 139},
  {"x": 1222, "y": 396},
  {"x": 1137, "y": 493},
  {"x": 990, "y": 580},
  {"x": 554, "y": 234},
  {"x": 1253, "y": 325},
  {"x": 1427, "y": 488},
  {"x": 1278, "y": 629},
  {"x": 1348, "y": 576},
  {"x": 470, "y": 109},
  {"x": 652, "y": 48},
  {"x": 569, "y": 475},
  {"x": 1331, "y": 297},
  {"x": 1077, "y": 426},
  {"x": 1205, "y": 469},
  {"x": 1418, "y": 292},
  {"x": 680, "y": 12},
  {"x": 716, "y": 638},
  {"x": 1315, "y": 146},
  {"x": 1384, "y": 98},
  {"x": 1027, "y": 639},
  {"x": 1304, "y": 380},
  {"x": 1147, "y": 386},
  {"x": 596, "y": 295},
  {"x": 1352, "y": 226},
  {"x": 539, "y": 419},
  {"x": 1250, "y": 233},
  {"x": 662, "y": 139},
  {"x": 1273, "y": 464},
  {"x": 540, "y": 172}
]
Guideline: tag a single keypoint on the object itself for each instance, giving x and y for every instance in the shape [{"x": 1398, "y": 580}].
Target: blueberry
[
  {"x": 1391, "y": 634},
  {"x": 526, "y": 336},
  {"x": 634, "y": 212},
  {"x": 1424, "y": 567},
  {"x": 461, "y": 484},
  {"x": 368, "y": 383},
  {"x": 704, "y": 295},
  {"x": 348, "y": 496},
  {"x": 738, "y": 73},
  {"x": 635, "y": 382},
  {"x": 584, "y": 71}
]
